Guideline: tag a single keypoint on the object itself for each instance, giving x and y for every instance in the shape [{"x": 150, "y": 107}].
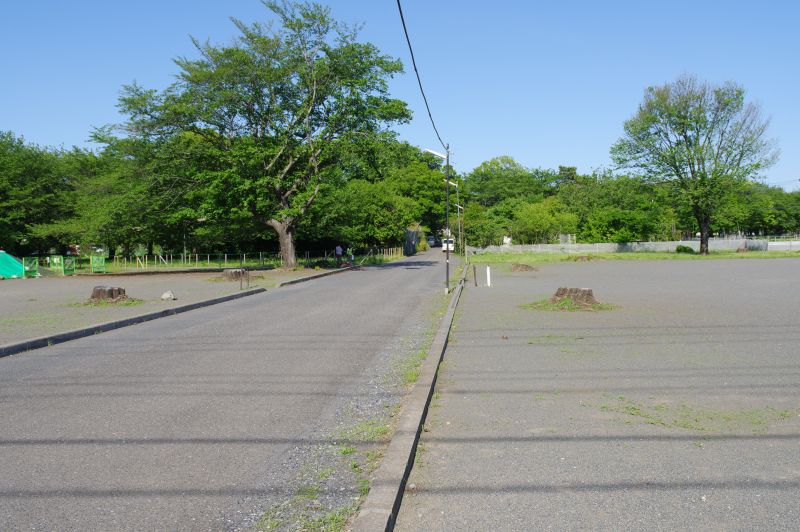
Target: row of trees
[
  {"x": 125, "y": 196},
  {"x": 285, "y": 136},
  {"x": 111, "y": 198},
  {"x": 608, "y": 207}
]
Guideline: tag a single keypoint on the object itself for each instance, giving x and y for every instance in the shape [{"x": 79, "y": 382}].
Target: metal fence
[{"x": 204, "y": 261}]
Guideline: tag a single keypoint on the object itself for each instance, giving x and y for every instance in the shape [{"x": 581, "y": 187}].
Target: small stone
[{"x": 169, "y": 295}]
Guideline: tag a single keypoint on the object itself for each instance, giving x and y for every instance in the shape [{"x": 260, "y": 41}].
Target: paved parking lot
[
  {"x": 30, "y": 308},
  {"x": 678, "y": 409}
]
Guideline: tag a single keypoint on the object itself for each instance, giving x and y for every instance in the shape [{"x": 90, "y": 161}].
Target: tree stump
[
  {"x": 579, "y": 296},
  {"x": 100, "y": 293},
  {"x": 234, "y": 274}
]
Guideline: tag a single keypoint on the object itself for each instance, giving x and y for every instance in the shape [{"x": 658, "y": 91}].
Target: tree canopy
[
  {"x": 271, "y": 111},
  {"x": 703, "y": 137}
]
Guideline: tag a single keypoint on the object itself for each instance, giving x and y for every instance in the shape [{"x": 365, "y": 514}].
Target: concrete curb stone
[
  {"x": 315, "y": 276},
  {"x": 212, "y": 269},
  {"x": 382, "y": 505}
]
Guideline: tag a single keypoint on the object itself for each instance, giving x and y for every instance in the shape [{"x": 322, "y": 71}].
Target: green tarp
[{"x": 10, "y": 266}]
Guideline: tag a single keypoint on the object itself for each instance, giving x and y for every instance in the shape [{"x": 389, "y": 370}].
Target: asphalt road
[
  {"x": 677, "y": 410},
  {"x": 186, "y": 422}
]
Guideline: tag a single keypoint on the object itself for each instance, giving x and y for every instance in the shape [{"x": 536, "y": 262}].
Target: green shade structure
[{"x": 10, "y": 266}]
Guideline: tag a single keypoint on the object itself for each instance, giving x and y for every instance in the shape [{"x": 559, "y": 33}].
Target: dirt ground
[
  {"x": 31, "y": 308},
  {"x": 678, "y": 408}
]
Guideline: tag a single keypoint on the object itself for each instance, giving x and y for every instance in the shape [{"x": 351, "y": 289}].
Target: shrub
[{"x": 684, "y": 249}]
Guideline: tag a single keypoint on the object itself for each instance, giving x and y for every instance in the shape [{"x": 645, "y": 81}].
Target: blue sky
[{"x": 548, "y": 82}]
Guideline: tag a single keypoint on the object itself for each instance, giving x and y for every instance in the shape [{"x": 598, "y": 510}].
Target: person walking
[{"x": 338, "y": 253}]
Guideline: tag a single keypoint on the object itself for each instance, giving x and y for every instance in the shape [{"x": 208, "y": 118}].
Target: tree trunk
[
  {"x": 285, "y": 232},
  {"x": 705, "y": 232}
]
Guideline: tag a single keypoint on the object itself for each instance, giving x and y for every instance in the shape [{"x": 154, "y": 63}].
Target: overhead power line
[{"x": 419, "y": 81}]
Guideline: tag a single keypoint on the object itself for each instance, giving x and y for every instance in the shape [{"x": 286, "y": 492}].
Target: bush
[{"x": 684, "y": 249}]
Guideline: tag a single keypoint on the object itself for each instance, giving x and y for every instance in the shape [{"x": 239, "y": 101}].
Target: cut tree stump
[
  {"x": 100, "y": 293},
  {"x": 579, "y": 296},
  {"x": 234, "y": 274}
]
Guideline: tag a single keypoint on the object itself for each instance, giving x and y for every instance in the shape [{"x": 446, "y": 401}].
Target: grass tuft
[
  {"x": 566, "y": 305},
  {"x": 697, "y": 418}
]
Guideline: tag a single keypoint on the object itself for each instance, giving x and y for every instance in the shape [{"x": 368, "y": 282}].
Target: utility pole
[
  {"x": 447, "y": 218},
  {"x": 446, "y": 158}
]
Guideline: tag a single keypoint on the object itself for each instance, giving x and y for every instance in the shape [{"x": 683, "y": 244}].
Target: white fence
[{"x": 713, "y": 245}]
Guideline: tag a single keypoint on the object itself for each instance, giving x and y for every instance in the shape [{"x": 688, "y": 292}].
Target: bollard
[
  {"x": 488, "y": 276},
  {"x": 475, "y": 274}
]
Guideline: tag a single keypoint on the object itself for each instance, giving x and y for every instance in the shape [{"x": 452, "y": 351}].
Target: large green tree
[
  {"x": 542, "y": 222},
  {"x": 502, "y": 178},
  {"x": 276, "y": 108},
  {"x": 702, "y": 137},
  {"x": 33, "y": 189}
]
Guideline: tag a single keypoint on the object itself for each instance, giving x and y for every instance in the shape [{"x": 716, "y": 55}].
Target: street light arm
[{"x": 436, "y": 153}]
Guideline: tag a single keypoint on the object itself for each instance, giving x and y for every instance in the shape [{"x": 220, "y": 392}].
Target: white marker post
[{"x": 488, "y": 276}]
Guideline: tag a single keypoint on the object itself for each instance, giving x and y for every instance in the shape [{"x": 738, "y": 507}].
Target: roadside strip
[
  {"x": 36, "y": 343},
  {"x": 380, "y": 509},
  {"x": 315, "y": 276},
  {"x": 44, "y": 341}
]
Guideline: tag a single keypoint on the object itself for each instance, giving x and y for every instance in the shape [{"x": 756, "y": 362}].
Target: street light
[{"x": 446, "y": 158}]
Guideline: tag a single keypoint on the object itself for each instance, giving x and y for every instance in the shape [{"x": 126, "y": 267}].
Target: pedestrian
[
  {"x": 350, "y": 255},
  {"x": 338, "y": 253}
]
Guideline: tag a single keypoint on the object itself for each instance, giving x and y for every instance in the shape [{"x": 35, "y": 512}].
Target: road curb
[
  {"x": 315, "y": 276},
  {"x": 213, "y": 269},
  {"x": 36, "y": 343},
  {"x": 380, "y": 509}
]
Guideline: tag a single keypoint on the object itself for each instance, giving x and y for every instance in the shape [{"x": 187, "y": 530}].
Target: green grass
[
  {"x": 373, "y": 460},
  {"x": 410, "y": 367},
  {"x": 270, "y": 520},
  {"x": 697, "y": 418},
  {"x": 532, "y": 258},
  {"x": 30, "y": 319},
  {"x": 308, "y": 492},
  {"x": 346, "y": 450},
  {"x": 363, "y": 486},
  {"x": 279, "y": 516},
  {"x": 566, "y": 305},
  {"x": 325, "y": 474},
  {"x": 371, "y": 430},
  {"x": 333, "y": 521},
  {"x": 419, "y": 455},
  {"x": 130, "y": 302}
]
